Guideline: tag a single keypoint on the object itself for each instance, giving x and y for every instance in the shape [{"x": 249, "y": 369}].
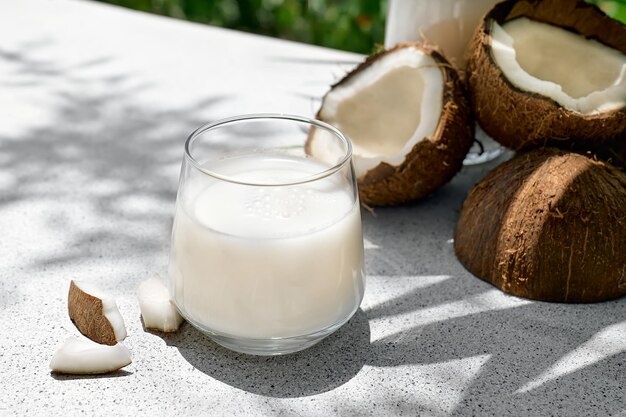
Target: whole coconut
[{"x": 548, "y": 225}]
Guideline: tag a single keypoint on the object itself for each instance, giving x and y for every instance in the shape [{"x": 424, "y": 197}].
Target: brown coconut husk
[
  {"x": 548, "y": 225},
  {"x": 434, "y": 160},
  {"x": 86, "y": 313},
  {"x": 519, "y": 119}
]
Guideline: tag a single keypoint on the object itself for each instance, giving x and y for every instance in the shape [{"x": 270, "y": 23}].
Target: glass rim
[{"x": 268, "y": 116}]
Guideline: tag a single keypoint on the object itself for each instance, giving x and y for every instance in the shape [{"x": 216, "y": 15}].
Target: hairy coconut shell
[
  {"x": 86, "y": 312},
  {"x": 434, "y": 160},
  {"x": 548, "y": 225},
  {"x": 520, "y": 119}
]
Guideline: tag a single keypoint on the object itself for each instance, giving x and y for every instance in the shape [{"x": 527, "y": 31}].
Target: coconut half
[
  {"x": 548, "y": 225},
  {"x": 549, "y": 72},
  {"x": 407, "y": 117},
  {"x": 95, "y": 314}
]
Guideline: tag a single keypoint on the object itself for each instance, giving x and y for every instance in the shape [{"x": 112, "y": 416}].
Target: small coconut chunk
[
  {"x": 83, "y": 356},
  {"x": 157, "y": 309},
  {"x": 95, "y": 314},
  {"x": 580, "y": 74}
]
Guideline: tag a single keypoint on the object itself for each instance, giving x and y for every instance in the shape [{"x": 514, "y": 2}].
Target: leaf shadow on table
[
  {"x": 522, "y": 344},
  {"x": 102, "y": 166},
  {"x": 501, "y": 355},
  {"x": 540, "y": 358},
  {"x": 323, "y": 367}
]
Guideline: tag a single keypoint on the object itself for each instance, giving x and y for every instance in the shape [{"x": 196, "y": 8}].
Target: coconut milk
[
  {"x": 263, "y": 261},
  {"x": 450, "y": 24}
]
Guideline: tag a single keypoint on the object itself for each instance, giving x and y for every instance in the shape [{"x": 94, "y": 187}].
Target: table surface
[{"x": 96, "y": 102}]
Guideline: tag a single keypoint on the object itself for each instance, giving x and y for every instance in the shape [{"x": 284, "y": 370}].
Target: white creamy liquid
[
  {"x": 450, "y": 24},
  {"x": 262, "y": 262}
]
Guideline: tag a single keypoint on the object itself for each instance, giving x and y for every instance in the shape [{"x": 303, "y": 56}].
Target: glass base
[{"x": 267, "y": 347}]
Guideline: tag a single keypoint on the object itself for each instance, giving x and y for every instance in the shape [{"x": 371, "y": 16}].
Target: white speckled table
[{"x": 96, "y": 102}]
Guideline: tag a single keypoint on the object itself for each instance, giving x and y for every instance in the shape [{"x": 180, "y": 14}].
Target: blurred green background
[{"x": 351, "y": 25}]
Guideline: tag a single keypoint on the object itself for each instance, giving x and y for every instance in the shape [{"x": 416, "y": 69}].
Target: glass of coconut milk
[{"x": 267, "y": 249}]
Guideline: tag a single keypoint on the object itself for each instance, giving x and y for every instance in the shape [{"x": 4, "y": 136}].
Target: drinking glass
[{"x": 267, "y": 249}]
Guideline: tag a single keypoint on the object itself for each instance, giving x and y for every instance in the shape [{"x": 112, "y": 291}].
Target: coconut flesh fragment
[
  {"x": 95, "y": 313},
  {"x": 157, "y": 310},
  {"x": 580, "y": 74},
  {"x": 394, "y": 103},
  {"x": 83, "y": 356}
]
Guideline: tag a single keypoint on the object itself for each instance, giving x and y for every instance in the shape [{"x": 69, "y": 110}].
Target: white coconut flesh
[
  {"x": 388, "y": 107},
  {"x": 83, "y": 356},
  {"x": 580, "y": 74},
  {"x": 157, "y": 310}
]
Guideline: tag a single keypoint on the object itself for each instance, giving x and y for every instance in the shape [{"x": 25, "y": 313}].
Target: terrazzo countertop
[{"x": 96, "y": 102}]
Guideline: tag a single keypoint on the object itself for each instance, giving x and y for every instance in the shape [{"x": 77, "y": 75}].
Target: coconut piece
[
  {"x": 83, "y": 356},
  {"x": 549, "y": 72},
  {"x": 548, "y": 225},
  {"x": 157, "y": 309},
  {"x": 95, "y": 314},
  {"x": 406, "y": 114}
]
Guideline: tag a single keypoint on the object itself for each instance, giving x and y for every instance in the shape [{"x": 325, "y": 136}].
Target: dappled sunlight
[
  {"x": 89, "y": 165},
  {"x": 95, "y": 179},
  {"x": 430, "y": 318},
  {"x": 515, "y": 339},
  {"x": 431, "y": 324},
  {"x": 447, "y": 382},
  {"x": 608, "y": 342},
  {"x": 491, "y": 300}
]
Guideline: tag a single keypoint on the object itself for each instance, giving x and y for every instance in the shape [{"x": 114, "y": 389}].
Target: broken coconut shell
[
  {"x": 520, "y": 119},
  {"x": 94, "y": 314},
  {"x": 436, "y": 156},
  {"x": 548, "y": 225}
]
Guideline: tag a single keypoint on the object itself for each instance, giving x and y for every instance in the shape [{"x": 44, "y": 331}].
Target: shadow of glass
[{"x": 321, "y": 368}]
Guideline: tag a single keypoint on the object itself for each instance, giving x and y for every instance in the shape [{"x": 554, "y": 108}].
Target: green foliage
[
  {"x": 614, "y": 8},
  {"x": 353, "y": 25}
]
